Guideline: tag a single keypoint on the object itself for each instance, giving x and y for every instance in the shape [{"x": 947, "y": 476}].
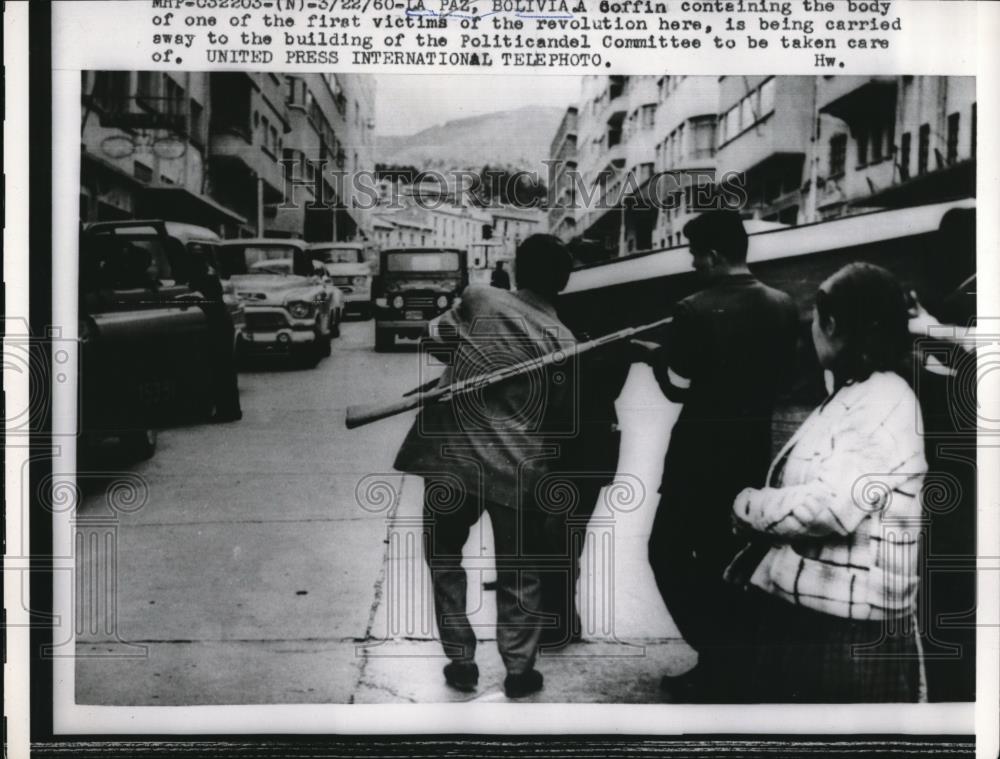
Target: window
[
  {"x": 230, "y": 104},
  {"x": 111, "y": 90},
  {"x": 862, "y": 142},
  {"x": 648, "y": 116},
  {"x": 142, "y": 172},
  {"x": 838, "y": 155},
  {"x": 923, "y": 148},
  {"x": 746, "y": 114},
  {"x": 953, "y": 124},
  {"x": 663, "y": 87},
  {"x": 766, "y": 97},
  {"x": 904, "y": 156},
  {"x": 196, "y": 123},
  {"x": 732, "y": 122},
  {"x": 148, "y": 89},
  {"x": 877, "y": 152},
  {"x": 614, "y": 136},
  {"x": 704, "y": 136}
]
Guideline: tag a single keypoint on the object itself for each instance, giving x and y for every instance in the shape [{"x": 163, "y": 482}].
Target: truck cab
[
  {"x": 350, "y": 267},
  {"x": 414, "y": 286}
]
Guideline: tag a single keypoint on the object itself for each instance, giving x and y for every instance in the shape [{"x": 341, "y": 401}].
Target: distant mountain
[{"x": 515, "y": 139}]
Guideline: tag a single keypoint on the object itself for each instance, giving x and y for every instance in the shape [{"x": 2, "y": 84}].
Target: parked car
[
  {"x": 351, "y": 271},
  {"x": 146, "y": 344},
  {"x": 290, "y": 303},
  {"x": 414, "y": 286},
  {"x": 201, "y": 246}
]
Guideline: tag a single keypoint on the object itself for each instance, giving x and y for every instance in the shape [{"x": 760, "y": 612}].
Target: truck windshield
[
  {"x": 421, "y": 262},
  {"x": 263, "y": 259},
  {"x": 339, "y": 255}
]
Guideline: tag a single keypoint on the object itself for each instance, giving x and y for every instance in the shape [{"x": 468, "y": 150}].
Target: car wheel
[
  {"x": 384, "y": 339},
  {"x": 139, "y": 444}
]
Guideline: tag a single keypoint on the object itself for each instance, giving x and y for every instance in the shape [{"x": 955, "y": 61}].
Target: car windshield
[
  {"x": 339, "y": 255},
  {"x": 263, "y": 259},
  {"x": 422, "y": 262}
]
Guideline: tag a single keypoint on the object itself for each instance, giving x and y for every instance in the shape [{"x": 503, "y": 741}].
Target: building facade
[
  {"x": 562, "y": 187},
  {"x": 793, "y": 149},
  {"x": 145, "y": 146},
  {"x": 890, "y": 142},
  {"x": 213, "y": 148}
]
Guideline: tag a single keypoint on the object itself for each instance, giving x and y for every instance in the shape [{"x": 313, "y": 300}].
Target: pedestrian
[
  {"x": 488, "y": 452},
  {"x": 839, "y": 519},
  {"x": 725, "y": 356},
  {"x": 945, "y": 369},
  {"x": 588, "y": 461},
  {"x": 500, "y": 278},
  {"x": 225, "y": 386}
]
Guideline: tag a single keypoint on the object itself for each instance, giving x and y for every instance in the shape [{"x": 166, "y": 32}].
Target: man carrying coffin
[
  {"x": 725, "y": 356},
  {"x": 488, "y": 452}
]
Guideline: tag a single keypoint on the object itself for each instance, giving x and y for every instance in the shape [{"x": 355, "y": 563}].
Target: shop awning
[{"x": 180, "y": 204}]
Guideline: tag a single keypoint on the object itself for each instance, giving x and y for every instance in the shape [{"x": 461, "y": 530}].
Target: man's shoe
[
  {"x": 461, "y": 675},
  {"x": 523, "y": 684}
]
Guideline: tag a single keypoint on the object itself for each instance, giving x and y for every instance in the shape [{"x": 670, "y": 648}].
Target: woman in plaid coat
[{"x": 838, "y": 523}]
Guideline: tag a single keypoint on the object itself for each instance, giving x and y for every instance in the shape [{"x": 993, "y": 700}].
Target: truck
[{"x": 414, "y": 286}]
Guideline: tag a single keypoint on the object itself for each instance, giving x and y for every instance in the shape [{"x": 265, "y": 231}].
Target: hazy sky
[{"x": 407, "y": 103}]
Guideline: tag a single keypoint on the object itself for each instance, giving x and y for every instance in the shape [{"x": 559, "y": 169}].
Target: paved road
[{"x": 276, "y": 560}]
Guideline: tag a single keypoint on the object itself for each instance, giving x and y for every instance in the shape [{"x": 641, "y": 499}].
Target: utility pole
[
  {"x": 814, "y": 154},
  {"x": 260, "y": 206}
]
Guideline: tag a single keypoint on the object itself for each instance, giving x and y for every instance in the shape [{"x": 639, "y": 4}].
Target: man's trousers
[{"x": 516, "y": 535}]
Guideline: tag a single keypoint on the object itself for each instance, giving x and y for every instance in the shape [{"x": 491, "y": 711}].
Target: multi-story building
[
  {"x": 798, "y": 148},
  {"x": 600, "y": 157},
  {"x": 510, "y": 225},
  {"x": 207, "y": 148},
  {"x": 891, "y": 141},
  {"x": 144, "y": 149},
  {"x": 329, "y": 145},
  {"x": 248, "y": 125},
  {"x": 357, "y": 125},
  {"x": 401, "y": 229},
  {"x": 764, "y": 135},
  {"x": 562, "y": 187},
  {"x": 641, "y": 141}
]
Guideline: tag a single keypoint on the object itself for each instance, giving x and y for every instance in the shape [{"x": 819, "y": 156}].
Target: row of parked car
[{"x": 167, "y": 309}]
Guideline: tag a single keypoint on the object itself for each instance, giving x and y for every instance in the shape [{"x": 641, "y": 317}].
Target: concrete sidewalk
[
  {"x": 278, "y": 560},
  {"x": 629, "y": 638}
]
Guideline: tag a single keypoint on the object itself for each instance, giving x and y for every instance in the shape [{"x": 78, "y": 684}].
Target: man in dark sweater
[{"x": 725, "y": 356}]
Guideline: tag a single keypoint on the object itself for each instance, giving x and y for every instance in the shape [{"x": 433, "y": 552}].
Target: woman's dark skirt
[{"x": 805, "y": 656}]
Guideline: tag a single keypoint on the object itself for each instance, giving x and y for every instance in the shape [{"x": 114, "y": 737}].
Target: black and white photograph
[
  {"x": 645, "y": 408},
  {"x": 539, "y": 371}
]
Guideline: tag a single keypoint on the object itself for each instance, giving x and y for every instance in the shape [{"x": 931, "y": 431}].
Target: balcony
[
  {"x": 852, "y": 97},
  {"x": 567, "y": 130},
  {"x": 231, "y": 147},
  {"x": 782, "y": 137}
]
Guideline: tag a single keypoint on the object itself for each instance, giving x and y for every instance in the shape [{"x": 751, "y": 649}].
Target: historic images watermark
[{"x": 696, "y": 189}]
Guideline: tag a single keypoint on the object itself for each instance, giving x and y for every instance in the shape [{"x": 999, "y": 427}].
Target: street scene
[
  {"x": 252, "y": 577},
  {"x": 669, "y": 335}
]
